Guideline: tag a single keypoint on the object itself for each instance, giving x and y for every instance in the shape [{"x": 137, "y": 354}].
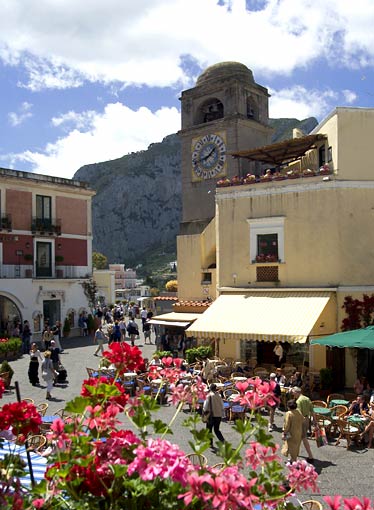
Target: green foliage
[
  {"x": 90, "y": 323},
  {"x": 164, "y": 354},
  {"x": 90, "y": 291},
  {"x": 67, "y": 327},
  {"x": 326, "y": 378},
  {"x": 198, "y": 353},
  {"x": 13, "y": 344},
  {"x": 99, "y": 261},
  {"x": 5, "y": 367}
]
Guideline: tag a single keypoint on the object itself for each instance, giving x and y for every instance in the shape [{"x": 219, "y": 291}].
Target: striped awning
[
  {"x": 287, "y": 316},
  {"x": 179, "y": 320}
]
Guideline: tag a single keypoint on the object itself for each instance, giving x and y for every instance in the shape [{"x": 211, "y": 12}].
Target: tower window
[{"x": 210, "y": 110}]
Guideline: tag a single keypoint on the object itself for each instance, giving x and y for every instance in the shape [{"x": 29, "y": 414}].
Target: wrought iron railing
[{"x": 46, "y": 226}]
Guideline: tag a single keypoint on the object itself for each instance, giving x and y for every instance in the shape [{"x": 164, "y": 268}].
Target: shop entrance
[{"x": 52, "y": 311}]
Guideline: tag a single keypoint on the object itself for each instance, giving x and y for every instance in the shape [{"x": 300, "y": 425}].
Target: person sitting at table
[
  {"x": 280, "y": 378},
  {"x": 369, "y": 428},
  {"x": 359, "y": 406},
  {"x": 358, "y": 386}
]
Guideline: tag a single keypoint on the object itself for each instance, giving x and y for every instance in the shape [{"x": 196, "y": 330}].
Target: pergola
[{"x": 283, "y": 152}]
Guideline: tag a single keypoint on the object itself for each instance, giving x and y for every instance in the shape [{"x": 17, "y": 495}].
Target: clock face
[{"x": 208, "y": 156}]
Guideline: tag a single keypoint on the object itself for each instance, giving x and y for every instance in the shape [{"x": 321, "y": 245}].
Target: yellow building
[{"x": 283, "y": 251}]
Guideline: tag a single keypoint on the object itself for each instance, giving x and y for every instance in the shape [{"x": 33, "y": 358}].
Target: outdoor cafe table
[
  {"x": 38, "y": 462},
  {"x": 338, "y": 402},
  {"x": 239, "y": 379},
  {"x": 324, "y": 411},
  {"x": 49, "y": 418},
  {"x": 358, "y": 421}
]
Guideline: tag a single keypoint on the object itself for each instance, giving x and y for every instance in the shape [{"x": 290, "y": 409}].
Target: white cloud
[
  {"x": 83, "y": 120},
  {"x": 300, "y": 103},
  {"x": 63, "y": 43},
  {"x": 349, "y": 96},
  {"x": 24, "y": 113},
  {"x": 113, "y": 133}
]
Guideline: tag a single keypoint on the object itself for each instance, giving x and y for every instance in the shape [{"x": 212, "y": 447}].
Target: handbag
[
  {"x": 320, "y": 435},
  {"x": 207, "y": 414}
]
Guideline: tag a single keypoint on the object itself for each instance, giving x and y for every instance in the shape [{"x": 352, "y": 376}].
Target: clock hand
[{"x": 208, "y": 155}]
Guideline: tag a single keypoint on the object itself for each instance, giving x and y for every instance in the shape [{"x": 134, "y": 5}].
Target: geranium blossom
[
  {"x": 160, "y": 459},
  {"x": 302, "y": 475},
  {"x": 124, "y": 357},
  {"x": 97, "y": 389},
  {"x": 2, "y": 387},
  {"x": 257, "y": 455},
  {"x": 22, "y": 417},
  {"x": 255, "y": 393}
]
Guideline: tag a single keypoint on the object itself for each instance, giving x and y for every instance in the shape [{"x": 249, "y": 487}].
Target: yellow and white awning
[
  {"x": 283, "y": 316},
  {"x": 180, "y": 319}
]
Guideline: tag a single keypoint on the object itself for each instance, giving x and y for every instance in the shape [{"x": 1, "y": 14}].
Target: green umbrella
[{"x": 361, "y": 338}]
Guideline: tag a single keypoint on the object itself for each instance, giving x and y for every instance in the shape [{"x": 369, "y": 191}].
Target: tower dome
[{"x": 224, "y": 70}]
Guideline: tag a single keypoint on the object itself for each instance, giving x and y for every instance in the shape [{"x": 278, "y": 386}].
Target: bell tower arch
[{"x": 225, "y": 112}]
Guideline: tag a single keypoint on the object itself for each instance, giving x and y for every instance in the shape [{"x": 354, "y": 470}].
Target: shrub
[
  {"x": 67, "y": 327},
  {"x": 12, "y": 344},
  {"x": 198, "y": 353},
  {"x": 164, "y": 354},
  {"x": 5, "y": 367}
]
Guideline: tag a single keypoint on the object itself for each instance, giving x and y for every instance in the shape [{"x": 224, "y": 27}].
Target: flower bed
[{"x": 10, "y": 348}]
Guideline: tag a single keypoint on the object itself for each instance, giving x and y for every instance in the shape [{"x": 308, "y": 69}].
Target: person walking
[
  {"x": 35, "y": 356},
  {"x": 26, "y": 336},
  {"x": 214, "y": 406},
  {"x": 48, "y": 373},
  {"x": 122, "y": 327},
  {"x": 132, "y": 329},
  {"x": 99, "y": 339},
  {"x": 147, "y": 332},
  {"x": 143, "y": 316},
  {"x": 305, "y": 406},
  {"x": 47, "y": 337},
  {"x": 292, "y": 431}
]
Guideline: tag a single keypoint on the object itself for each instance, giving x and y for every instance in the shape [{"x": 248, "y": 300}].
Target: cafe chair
[
  {"x": 92, "y": 372},
  {"x": 348, "y": 432},
  {"x": 36, "y": 443},
  {"x": 42, "y": 408},
  {"x": 5, "y": 376},
  {"x": 337, "y": 413},
  {"x": 311, "y": 504},
  {"x": 197, "y": 459},
  {"x": 319, "y": 403},
  {"x": 237, "y": 412},
  {"x": 219, "y": 466},
  {"x": 324, "y": 421},
  {"x": 28, "y": 400}
]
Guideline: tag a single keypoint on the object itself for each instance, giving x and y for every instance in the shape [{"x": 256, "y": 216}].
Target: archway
[{"x": 10, "y": 316}]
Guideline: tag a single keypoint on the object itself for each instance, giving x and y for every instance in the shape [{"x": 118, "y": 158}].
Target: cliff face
[{"x": 137, "y": 207}]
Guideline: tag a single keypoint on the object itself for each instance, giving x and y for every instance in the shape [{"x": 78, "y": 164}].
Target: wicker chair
[
  {"x": 337, "y": 413},
  {"x": 36, "y": 443},
  {"x": 28, "y": 400},
  {"x": 311, "y": 504},
  {"x": 347, "y": 431},
  {"x": 319, "y": 403},
  {"x": 197, "y": 459},
  {"x": 42, "y": 408},
  {"x": 91, "y": 371}
]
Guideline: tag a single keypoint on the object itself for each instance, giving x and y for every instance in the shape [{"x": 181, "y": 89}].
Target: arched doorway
[{"x": 9, "y": 316}]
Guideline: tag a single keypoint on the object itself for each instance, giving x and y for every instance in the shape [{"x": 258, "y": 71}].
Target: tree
[
  {"x": 172, "y": 286},
  {"x": 99, "y": 261},
  {"x": 90, "y": 291},
  {"x": 154, "y": 292}
]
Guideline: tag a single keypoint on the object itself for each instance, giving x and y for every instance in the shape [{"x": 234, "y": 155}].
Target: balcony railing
[
  {"x": 26, "y": 271},
  {"x": 6, "y": 222},
  {"x": 46, "y": 226}
]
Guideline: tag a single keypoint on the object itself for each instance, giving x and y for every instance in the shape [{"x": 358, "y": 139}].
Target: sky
[{"x": 89, "y": 81}]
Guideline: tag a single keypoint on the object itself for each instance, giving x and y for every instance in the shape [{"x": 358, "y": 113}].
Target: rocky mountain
[{"x": 137, "y": 207}]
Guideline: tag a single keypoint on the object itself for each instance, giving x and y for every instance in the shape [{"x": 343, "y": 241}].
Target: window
[
  {"x": 43, "y": 259},
  {"x": 329, "y": 154},
  {"x": 206, "y": 278},
  {"x": 267, "y": 247},
  {"x": 266, "y": 239},
  {"x": 44, "y": 210},
  {"x": 322, "y": 155}
]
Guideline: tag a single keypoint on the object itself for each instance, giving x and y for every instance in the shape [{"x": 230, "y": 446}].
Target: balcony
[
  {"x": 6, "y": 222},
  {"x": 46, "y": 226}
]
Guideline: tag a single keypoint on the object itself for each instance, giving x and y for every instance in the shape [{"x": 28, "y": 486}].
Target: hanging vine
[{"x": 360, "y": 313}]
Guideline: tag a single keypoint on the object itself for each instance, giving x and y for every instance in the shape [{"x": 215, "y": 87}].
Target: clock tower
[{"x": 225, "y": 112}]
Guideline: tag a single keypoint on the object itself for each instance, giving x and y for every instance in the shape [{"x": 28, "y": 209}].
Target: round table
[
  {"x": 324, "y": 411},
  {"x": 338, "y": 402},
  {"x": 358, "y": 421},
  {"x": 239, "y": 379}
]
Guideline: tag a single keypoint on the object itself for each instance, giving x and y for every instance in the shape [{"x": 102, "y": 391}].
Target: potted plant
[
  {"x": 5, "y": 368},
  {"x": 29, "y": 258},
  {"x": 325, "y": 381},
  {"x": 59, "y": 259},
  {"x": 66, "y": 329}
]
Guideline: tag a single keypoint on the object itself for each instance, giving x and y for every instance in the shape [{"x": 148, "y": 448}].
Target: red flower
[
  {"x": 2, "y": 387},
  {"x": 95, "y": 389},
  {"x": 124, "y": 357},
  {"x": 23, "y": 417}
]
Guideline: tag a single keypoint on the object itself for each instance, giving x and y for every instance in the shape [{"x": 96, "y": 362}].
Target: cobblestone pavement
[{"x": 342, "y": 471}]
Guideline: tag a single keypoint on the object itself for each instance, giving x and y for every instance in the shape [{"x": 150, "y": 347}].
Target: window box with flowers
[
  {"x": 278, "y": 177},
  {"x": 267, "y": 176},
  {"x": 325, "y": 169},
  {"x": 222, "y": 183},
  {"x": 266, "y": 259},
  {"x": 29, "y": 258},
  {"x": 249, "y": 179},
  {"x": 308, "y": 173},
  {"x": 292, "y": 174},
  {"x": 236, "y": 181}
]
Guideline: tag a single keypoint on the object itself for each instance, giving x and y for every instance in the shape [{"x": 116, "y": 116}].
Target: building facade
[
  {"x": 285, "y": 249},
  {"x": 45, "y": 249}
]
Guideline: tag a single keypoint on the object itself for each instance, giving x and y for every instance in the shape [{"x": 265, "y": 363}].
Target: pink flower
[
  {"x": 355, "y": 504},
  {"x": 258, "y": 455},
  {"x": 334, "y": 503},
  {"x": 160, "y": 459},
  {"x": 302, "y": 475},
  {"x": 38, "y": 503}
]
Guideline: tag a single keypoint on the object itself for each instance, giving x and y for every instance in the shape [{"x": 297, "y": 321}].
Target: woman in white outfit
[{"x": 48, "y": 373}]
